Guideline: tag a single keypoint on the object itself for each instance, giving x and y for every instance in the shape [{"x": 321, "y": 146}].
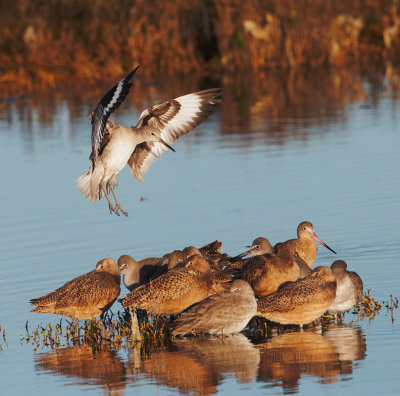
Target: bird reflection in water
[
  {"x": 104, "y": 368},
  {"x": 285, "y": 358},
  {"x": 198, "y": 365}
]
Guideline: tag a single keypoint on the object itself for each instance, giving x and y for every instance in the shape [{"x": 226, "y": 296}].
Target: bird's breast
[{"x": 117, "y": 152}]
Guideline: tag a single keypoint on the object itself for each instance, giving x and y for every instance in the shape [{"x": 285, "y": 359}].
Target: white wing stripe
[
  {"x": 172, "y": 126},
  {"x": 115, "y": 97}
]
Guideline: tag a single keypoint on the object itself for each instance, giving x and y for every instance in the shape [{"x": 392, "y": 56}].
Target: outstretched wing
[
  {"x": 110, "y": 101},
  {"x": 171, "y": 119}
]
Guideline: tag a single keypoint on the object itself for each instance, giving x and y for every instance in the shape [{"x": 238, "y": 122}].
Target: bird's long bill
[
  {"x": 246, "y": 253},
  {"x": 166, "y": 144},
  {"x": 322, "y": 243}
]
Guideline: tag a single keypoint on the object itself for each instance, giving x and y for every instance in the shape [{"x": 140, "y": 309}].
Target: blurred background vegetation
[{"x": 59, "y": 44}]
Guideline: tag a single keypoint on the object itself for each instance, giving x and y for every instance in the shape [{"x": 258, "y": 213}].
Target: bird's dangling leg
[
  {"x": 117, "y": 205},
  {"x": 110, "y": 205}
]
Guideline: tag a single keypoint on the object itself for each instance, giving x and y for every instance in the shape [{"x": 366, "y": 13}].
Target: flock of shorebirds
[{"x": 218, "y": 294}]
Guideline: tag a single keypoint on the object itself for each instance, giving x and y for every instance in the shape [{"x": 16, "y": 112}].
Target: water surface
[{"x": 322, "y": 148}]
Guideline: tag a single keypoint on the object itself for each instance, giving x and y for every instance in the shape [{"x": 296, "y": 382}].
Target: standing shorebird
[
  {"x": 304, "y": 246},
  {"x": 222, "y": 313},
  {"x": 349, "y": 288},
  {"x": 86, "y": 296},
  {"x": 179, "y": 288},
  {"x": 300, "y": 302},
  {"x": 114, "y": 145}
]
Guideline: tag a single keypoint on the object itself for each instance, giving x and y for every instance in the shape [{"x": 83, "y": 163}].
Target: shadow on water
[{"x": 200, "y": 365}]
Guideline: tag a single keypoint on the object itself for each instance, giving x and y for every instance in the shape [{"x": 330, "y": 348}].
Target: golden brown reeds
[{"x": 46, "y": 44}]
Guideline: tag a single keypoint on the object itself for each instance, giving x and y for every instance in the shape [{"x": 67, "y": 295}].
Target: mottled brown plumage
[
  {"x": 178, "y": 258},
  {"x": 265, "y": 273},
  {"x": 300, "y": 302},
  {"x": 86, "y": 296},
  {"x": 221, "y": 313},
  {"x": 179, "y": 288},
  {"x": 212, "y": 252},
  {"x": 303, "y": 245}
]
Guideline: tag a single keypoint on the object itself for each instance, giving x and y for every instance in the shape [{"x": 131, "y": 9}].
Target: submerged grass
[{"x": 113, "y": 331}]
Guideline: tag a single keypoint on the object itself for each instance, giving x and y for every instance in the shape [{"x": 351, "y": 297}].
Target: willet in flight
[
  {"x": 114, "y": 145},
  {"x": 86, "y": 296},
  {"x": 223, "y": 313},
  {"x": 302, "y": 301},
  {"x": 349, "y": 289},
  {"x": 179, "y": 288},
  {"x": 304, "y": 246}
]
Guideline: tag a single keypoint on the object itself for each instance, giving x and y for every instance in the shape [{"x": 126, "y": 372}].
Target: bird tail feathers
[{"x": 89, "y": 183}]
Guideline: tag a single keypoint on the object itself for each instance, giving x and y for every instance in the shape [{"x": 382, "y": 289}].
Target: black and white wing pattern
[
  {"x": 110, "y": 101},
  {"x": 172, "y": 119}
]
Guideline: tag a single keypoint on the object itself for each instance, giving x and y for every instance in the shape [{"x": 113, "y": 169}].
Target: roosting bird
[{"x": 86, "y": 296}]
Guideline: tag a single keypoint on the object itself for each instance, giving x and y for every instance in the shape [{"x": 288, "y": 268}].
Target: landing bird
[{"x": 114, "y": 145}]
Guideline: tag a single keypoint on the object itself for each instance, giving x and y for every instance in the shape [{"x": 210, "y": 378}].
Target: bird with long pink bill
[{"x": 304, "y": 245}]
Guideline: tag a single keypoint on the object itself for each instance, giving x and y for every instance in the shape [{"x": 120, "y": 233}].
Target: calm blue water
[{"x": 332, "y": 162}]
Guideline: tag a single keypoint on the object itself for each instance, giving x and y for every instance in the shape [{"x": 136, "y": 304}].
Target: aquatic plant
[
  {"x": 391, "y": 306},
  {"x": 368, "y": 307}
]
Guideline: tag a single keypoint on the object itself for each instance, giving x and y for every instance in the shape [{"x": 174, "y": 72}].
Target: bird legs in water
[{"x": 117, "y": 206}]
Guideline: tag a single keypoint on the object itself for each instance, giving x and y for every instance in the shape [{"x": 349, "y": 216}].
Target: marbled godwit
[
  {"x": 300, "y": 302},
  {"x": 304, "y": 246},
  {"x": 114, "y": 145},
  {"x": 304, "y": 269},
  {"x": 349, "y": 290},
  {"x": 137, "y": 273},
  {"x": 259, "y": 246},
  {"x": 222, "y": 313},
  {"x": 178, "y": 258},
  {"x": 179, "y": 288},
  {"x": 86, "y": 296},
  {"x": 265, "y": 273},
  {"x": 211, "y": 252}
]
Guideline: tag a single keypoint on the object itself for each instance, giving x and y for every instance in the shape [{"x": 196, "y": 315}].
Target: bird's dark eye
[
  {"x": 152, "y": 133},
  {"x": 257, "y": 246}
]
